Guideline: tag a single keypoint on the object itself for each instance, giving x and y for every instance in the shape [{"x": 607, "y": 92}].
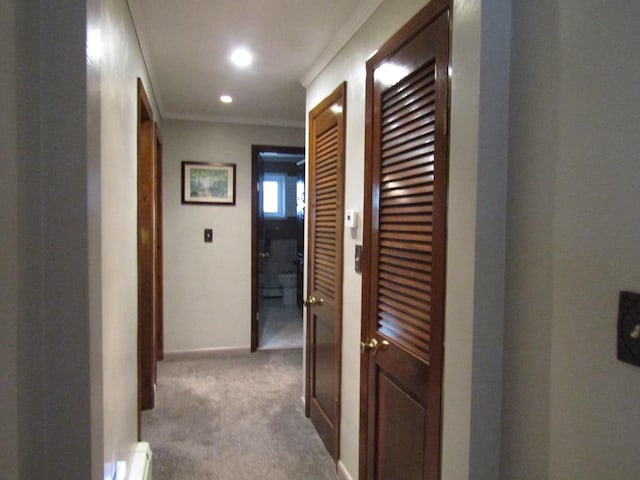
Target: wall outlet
[{"x": 208, "y": 235}]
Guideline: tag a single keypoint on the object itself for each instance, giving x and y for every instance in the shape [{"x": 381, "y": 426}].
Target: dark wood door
[
  {"x": 324, "y": 276},
  {"x": 147, "y": 279},
  {"x": 404, "y": 248},
  {"x": 259, "y": 251},
  {"x": 159, "y": 312}
]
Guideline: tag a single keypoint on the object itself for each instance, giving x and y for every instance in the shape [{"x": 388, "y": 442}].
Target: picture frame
[{"x": 208, "y": 183}]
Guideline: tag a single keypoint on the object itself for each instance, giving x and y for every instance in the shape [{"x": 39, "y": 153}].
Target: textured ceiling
[{"x": 187, "y": 43}]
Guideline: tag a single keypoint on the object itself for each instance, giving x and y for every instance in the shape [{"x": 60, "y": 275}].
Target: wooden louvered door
[
  {"x": 404, "y": 246},
  {"x": 324, "y": 280}
]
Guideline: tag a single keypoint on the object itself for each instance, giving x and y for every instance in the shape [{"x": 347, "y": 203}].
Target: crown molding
[
  {"x": 201, "y": 117},
  {"x": 347, "y": 31},
  {"x": 137, "y": 18}
]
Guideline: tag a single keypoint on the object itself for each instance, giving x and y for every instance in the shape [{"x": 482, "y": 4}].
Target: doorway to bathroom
[{"x": 277, "y": 273}]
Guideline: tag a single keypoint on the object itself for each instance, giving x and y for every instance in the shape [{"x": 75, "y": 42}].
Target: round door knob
[
  {"x": 311, "y": 300},
  {"x": 372, "y": 346}
]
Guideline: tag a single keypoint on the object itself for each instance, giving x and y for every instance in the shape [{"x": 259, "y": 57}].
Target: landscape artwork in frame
[{"x": 208, "y": 183}]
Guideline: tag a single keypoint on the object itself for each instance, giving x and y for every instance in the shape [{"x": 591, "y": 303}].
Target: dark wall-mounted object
[
  {"x": 629, "y": 328},
  {"x": 208, "y": 235},
  {"x": 358, "y": 259}
]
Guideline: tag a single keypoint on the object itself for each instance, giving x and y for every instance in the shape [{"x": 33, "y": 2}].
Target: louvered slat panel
[
  {"x": 408, "y": 272},
  {"x": 413, "y": 129},
  {"x": 410, "y": 84},
  {"x": 326, "y": 195},
  {"x": 321, "y": 195},
  {"x": 406, "y": 245},
  {"x": 413, "y": 343},
  {"x": 408, "y": 326},
  {"x": 393, "y": 254},
  {"x": 326, "y": 146},
  {"x": 408, "y": 297},
  {"x": 409, "y": 146},
  {"x": 410, "y": 264},
  {"x": 326, "y": 174},
  {"x": 405, "y": 221},
  {"x": 325, "y": 232},
  {"x": 326, "y": 180},
  {"x": 407, "y": 160},
  {"x": 421, "y": 93},
  {"x": 417, "y": 119}
]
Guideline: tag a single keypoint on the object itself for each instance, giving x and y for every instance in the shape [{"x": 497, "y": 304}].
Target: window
[{"x": 273, "y": 195}]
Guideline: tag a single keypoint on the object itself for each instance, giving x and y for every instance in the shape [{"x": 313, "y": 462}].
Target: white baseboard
[
  {"x": 205, "y": 352},
  {"x": 141, "y": 468},
  {"x": 343, "y": 473}
]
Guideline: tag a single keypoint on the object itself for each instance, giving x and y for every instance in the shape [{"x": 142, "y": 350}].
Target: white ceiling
[{"x": 187, "y": 43}]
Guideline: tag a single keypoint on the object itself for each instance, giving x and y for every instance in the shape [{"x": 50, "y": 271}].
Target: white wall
[
  {"x": 571, "y": 409},
  {"x": 476, "y": 218},
  {"x": 120, "y": 63},
  {"x": 70, "y": 323},
  {"x": 207, "y": 299},
  {"x": 63, "y": 297},
  {"x": 21, "y": 308},
  {"x": 9, "y": 242}
]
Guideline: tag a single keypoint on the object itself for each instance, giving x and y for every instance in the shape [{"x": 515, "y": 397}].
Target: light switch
[
  {"x": 358, "y": 259},
  {"x": 629, "y": 328},
  {"x": 208, "y": 235}
]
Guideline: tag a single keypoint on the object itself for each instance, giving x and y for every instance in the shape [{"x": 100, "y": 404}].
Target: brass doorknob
[
  {"x": 372, "y": 346},
  {"x": 311, "y": 300}
]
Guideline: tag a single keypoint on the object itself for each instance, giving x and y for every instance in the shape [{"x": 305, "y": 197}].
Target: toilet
[{"x": 289, "y": 283}]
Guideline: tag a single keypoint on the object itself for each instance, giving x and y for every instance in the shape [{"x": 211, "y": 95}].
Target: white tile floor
[{"x": 280, "y": 326}]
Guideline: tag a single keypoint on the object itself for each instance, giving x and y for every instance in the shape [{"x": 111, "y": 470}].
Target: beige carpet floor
[{"x": 234, "y": 417}]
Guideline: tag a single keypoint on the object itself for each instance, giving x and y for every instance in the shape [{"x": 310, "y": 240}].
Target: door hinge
[{"x": 257, "y": 316}]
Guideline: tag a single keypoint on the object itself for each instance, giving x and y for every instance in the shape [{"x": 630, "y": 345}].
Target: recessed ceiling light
[
  {"x": 226, "y": 99},
  {"x": 241, "y": 57}
]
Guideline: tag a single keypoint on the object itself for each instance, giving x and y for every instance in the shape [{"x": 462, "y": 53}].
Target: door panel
[
  {"x": 404, "y": 250},
  {"x": 400, "y": 432},
  {"x": 324, "y": 281}
]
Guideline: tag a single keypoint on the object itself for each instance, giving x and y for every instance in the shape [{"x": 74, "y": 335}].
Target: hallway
[{"x": 237, "y": 416}]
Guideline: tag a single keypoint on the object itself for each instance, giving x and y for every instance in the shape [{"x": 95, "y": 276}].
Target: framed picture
[{"x": 208, "y": 183}]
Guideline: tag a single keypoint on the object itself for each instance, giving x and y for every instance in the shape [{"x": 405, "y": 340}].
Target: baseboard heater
[{"x": 141, "y": 467}]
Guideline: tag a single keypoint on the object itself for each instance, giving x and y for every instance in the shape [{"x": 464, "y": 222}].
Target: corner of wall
[{"x": 472, "y": 390}]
